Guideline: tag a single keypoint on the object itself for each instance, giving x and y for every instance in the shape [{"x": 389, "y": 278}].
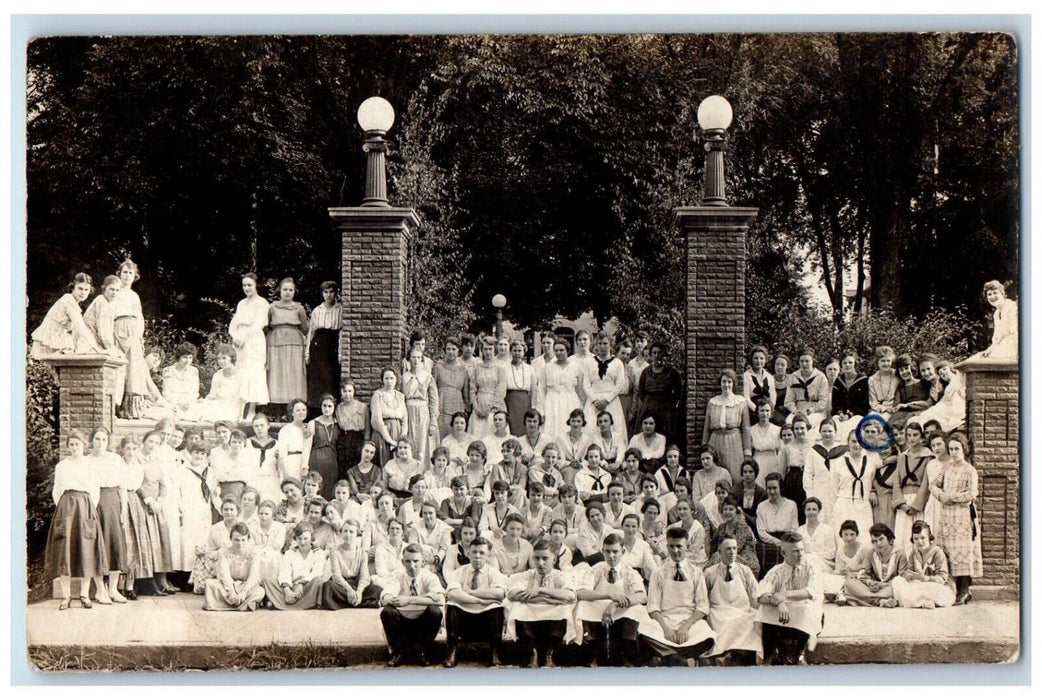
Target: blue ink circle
[{"x": 884, "y": 425}]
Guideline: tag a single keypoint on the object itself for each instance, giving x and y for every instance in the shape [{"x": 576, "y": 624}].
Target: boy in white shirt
[
  {"x": 411, "y": 609},
  {"x": 542, "y": 600},
  {"x": 474, "y": 610}
]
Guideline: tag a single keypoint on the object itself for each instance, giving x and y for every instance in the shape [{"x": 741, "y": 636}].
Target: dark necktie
[
  {"x": 474, "y": 581},
  {"x": 205, "y": 486},
  {"x": 611, "y": 575},
  {"x": 727, "y": 575},
  {"x": 597, "y": 481},
  {"x": 602, "y": 367},
  {"x": 542, "y": 581},
  {"x": 412, "y": 587},
  {"x": 679, "y": 575}
]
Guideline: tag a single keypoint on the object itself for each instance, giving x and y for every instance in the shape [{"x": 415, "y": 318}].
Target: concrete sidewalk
[{"x": 175, "y": 630}]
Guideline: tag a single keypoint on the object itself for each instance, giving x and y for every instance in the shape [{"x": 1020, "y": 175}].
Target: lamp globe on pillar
[
  {"x": 714, "y": 116},
  {"x": 376, "y": 117},
  {"x": 498, "y": 302}
]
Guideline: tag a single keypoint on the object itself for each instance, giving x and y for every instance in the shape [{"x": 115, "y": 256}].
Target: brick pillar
[
  {"x": 86, "y": 387},
  {"x": 993, "y": 424},
  {"x": 714, "y": 339},
  {"x": 374, "y": 271}
]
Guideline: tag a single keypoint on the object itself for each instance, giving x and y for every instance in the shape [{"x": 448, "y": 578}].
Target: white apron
[
  {"x": 593, "y": 610},
  {"x": 676, "y": 608},
  {"x": 735, "y": 623},
  {"x": 804, "y": 615}
]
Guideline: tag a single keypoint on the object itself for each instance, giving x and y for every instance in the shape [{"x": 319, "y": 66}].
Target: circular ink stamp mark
[{"x": 875, "y": 434}]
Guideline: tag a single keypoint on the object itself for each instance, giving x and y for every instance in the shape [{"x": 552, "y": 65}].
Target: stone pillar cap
[
  {"x": 82, "y": 360},
  {"x": 977, "y": 363}
]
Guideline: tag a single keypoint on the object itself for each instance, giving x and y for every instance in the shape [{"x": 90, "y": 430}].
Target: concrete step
[{"x": 174, "y": 632}]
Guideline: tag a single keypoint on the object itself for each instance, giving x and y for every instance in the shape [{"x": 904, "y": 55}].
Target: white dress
[
  {"x": 247, "y": 332},
  {"x": 950, "y": 411},
  {"x": 560, "y": 397},
  {"x": 224, "y": 402},
  {"x": 766, "y": 444},
  {"x": 852, "y": 479},
  {"x": 605, "y": 386},
  {"x": 819, "y": 463},
  {"x": 196, "y": 511}
]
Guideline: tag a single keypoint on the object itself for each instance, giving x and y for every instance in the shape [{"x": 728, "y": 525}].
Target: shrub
[
  {"x": 945, "y": 333},
  {"x": 41, "y": 446}
]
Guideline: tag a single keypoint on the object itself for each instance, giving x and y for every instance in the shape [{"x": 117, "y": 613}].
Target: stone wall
[
  {"x": 715, "y": 312},
  {"x": 993, "y": 423},
  {"x": 374, "y": 270}
]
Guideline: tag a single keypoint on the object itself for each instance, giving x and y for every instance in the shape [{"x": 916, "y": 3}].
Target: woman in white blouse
[
  {"x": 247, "y": 333},
  {"x": 294, "y": 443},
  {"x": 388, "y": 416},
  {"x": 520, "y": 383},
  {"x": 74, "y": 547},
  {"x": 652, "y": 445}
]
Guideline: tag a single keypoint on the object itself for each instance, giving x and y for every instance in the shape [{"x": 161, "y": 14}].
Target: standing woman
[
  {"x": 294, "y": 443},
  {"x": 849, "y": 394},
  {"x": 74, "y": 548},
  {"x": 490, "y": 389},
  {"x": 907, "y": 485},
  {"x": 62, "y": 329},
  {"x": 322, "y": 356},
  {"x": 726, "y": 425},
  {"x": 756, "y": 382},
  {"x": 765, "y": 438},
  {"x": 388, "y": 416},
  {"x": 658, "y": 394},
  {"x": 152, "y": 493},
  {"x": 129, "y": 330},
  {"x": 794, "y": 460},
  {"x": 821, "y": 459},
  {"x": 559, "y": 393},
  {"x": 520, "y": 382},
  {"x": 287, "y": 332},
  {"x": 421, "y": 403},
  {"x": 882, "y": 386},
  {"x": 111, "y": 507},
  {"x": 958, "y": 525},
  {"x": 913, "y": 396},
  {"x": 453, "y": 383},
  {"x": 247, "y": 333},
  {"x": 782, "y": 382},
  {"x": 352, "y": 419},
  {"x": 852, "y": 478},
  {"x": 602, "y": 380},
  {"x": 325, "y": 433},
  {"x": 935, "y": 469}
]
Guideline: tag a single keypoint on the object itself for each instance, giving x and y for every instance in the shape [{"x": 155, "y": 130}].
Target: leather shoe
[
  {"x": 423, "y": 660},
  {"x": 494, "y": 661},
  {"x": 395, "y": 661},
  {"x": 130, "y": 594},
  {"x": 450, "y": 659},
  {"x": 85, "y": 602}
]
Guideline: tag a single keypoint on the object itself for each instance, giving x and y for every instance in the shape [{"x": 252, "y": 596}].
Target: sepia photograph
[{"x": 530, "y": 351}]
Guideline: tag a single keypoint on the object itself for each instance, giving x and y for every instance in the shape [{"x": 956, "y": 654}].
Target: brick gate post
[{"x": 374, "y": 273}]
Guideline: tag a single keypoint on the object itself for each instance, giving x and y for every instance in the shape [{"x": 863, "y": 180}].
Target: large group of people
[{"x": 543, "y": 501}]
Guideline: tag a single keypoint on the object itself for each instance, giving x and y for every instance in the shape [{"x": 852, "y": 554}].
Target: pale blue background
[{"x": 25, "y": 27}]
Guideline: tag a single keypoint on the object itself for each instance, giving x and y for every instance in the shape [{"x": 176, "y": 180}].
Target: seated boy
[
  {"x": 610, "y": 599},
  {"x": 474, "y": 610},
  {"x": 678, "y": 604},
  {"x": 542, "y": 600},
  {"x": 732, "y": 607},
  {"x": 790, "y": 605},
  {"x": 411, "y": 609}
]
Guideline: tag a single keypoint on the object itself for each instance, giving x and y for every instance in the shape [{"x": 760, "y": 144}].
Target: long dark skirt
[
  {"x": 348, "y": 451},
  {"x": 518, "y": 402},
  {"x": 323, "y": 365},
  {"x": 792, "y": 488},
  {"x": 73, "y": 545},
  {"x": 111, "y": 529}
]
